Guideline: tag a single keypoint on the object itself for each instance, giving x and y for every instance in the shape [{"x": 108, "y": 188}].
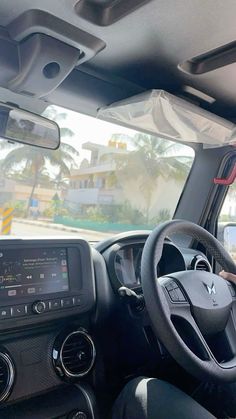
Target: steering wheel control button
[
  {"x": 173, "y": 296},
  {"x": 39, "y": 307},
  {"x": 180, "y": 295},
  {"x": 171, "y": 285},
  {"x": 175, "y": 293}
]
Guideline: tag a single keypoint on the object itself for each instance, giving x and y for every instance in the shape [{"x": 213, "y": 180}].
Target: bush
[
  {"x": 96, "y": 214},
  {"x": 115, "y": 214},
  {"x": 162, "y": 215},
  {"x": 19, "y": 207}
]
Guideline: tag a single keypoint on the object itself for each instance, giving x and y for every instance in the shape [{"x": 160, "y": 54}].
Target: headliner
[{"x": 143, "y": 51}]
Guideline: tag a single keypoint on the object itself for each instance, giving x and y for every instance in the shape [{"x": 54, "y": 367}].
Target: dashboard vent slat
[
  {"x": 77, "y": 354},
  {"x": 200, "y": 263}
]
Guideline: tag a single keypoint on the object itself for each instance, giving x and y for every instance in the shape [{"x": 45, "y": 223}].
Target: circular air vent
[
  {"x": 201, "y": 264},
  {"x": 76, "y": 355},
  {"x": 7, "y": 374}
]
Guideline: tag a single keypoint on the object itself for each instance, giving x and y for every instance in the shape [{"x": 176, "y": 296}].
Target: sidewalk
[{"x": 61, "y": 227}]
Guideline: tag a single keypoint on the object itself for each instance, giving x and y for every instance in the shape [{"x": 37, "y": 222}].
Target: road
[{"x": 21, "y": 229}]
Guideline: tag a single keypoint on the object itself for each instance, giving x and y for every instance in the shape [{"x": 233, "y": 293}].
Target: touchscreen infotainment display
[{"x": 28, "y": 272}]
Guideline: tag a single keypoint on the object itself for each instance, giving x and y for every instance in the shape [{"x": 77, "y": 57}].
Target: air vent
[
  {"x": 201, "y": 264},
  {"x": 7, "y": 374},
  {"x": 76, "y": 355}
]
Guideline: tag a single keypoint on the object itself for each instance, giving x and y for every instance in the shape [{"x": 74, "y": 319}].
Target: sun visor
[{"x": 162, "y": 114}]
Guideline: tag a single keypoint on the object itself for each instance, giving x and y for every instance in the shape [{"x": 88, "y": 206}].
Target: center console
[
  {"x": 44, "y": 279},
  {"x": 47, "y": 294}
]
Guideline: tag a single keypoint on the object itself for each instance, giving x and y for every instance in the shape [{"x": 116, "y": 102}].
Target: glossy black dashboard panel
[{"x": 42, "y": 280}]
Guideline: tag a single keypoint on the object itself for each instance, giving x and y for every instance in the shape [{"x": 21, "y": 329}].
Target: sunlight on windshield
[{"x": 104, "y": 179}]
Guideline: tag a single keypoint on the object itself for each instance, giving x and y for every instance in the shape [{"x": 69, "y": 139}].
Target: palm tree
[
  {"x": 151, "y": 159},
  {"x": 33, "y": 165},
  {"x": 33, "y": 162},
  {"x": 53, "y": 114}
]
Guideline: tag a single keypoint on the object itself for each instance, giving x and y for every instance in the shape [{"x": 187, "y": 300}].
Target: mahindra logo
[{"x": 210, "y": 289}]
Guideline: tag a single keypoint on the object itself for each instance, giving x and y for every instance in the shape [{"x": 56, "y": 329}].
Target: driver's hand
[{"x": 228, "y": 276}]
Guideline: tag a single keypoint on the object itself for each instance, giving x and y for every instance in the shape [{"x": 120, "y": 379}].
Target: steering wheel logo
[{"x": 210, "y": 289}]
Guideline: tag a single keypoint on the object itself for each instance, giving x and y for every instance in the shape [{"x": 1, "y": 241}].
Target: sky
[
  {"x": 90, "y": 129},
  {"x": 87, "y": 128}
]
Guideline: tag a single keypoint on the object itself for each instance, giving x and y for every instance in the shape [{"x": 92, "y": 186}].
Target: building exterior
[
  {"x": 99, "y": 183},
  {"x": 12, "y": 191},
  {"x": 94, "y": 183}
]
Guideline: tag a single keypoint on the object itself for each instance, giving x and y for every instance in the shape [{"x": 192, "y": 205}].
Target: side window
[{"x": 227, "y": 222}]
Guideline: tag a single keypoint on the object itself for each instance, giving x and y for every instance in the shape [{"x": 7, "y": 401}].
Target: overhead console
[
  {"x": 43, "y": 280},
  {"x": 39, "y": 50}
]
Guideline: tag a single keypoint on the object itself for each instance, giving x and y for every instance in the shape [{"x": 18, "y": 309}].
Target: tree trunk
[
  {"x": 35, "y": 182},
  {"x": 148, "y": 206}
]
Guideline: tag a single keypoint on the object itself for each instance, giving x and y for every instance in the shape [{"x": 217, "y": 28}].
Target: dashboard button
[
  {"x": 67, "y": 302},
  {"x": 77, "y": 300},
  {"x": 55, "y": 304},
  {"x": 39, "y": 307},
  {"x": 5, "y": 313},
  {"x": 18, "y": 311}
]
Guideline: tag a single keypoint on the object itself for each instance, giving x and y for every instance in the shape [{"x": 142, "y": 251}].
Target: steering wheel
[{"x": 187, "y": 308}]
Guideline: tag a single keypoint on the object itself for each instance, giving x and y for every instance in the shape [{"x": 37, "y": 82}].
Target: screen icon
[
  {"x": 41, "y": 276},
  {"x": 11, "y": 293},
  {"x": 31, "y": 290}
]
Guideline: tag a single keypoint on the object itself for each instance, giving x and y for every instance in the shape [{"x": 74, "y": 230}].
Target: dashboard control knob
[{"x": 39, "y": 307}]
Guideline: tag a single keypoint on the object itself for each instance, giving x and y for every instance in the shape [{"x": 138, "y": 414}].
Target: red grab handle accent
[{"x": 227, "y": 181}]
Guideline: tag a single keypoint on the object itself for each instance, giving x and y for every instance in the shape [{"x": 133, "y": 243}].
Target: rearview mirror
[
  {"x": 24, "y": 127},
  {"x": 227, "y": 236}
]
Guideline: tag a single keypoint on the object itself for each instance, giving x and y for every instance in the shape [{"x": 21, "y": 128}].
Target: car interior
[{"x": 109, "y": 270}]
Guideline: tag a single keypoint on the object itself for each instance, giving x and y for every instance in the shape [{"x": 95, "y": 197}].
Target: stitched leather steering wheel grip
[{"x": 206, "y": 308}]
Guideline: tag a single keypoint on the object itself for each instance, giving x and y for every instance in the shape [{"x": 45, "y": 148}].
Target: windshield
[{"x": 104, "y": 179}]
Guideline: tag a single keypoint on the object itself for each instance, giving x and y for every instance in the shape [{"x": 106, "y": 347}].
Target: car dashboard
[
  {"x": 66, "y": 335},
  {"x": 123, "y": 260}
]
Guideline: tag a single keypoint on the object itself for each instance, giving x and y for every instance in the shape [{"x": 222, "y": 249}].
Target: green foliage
[
  {"x": 226, "y": 218},
  {"x": 96, "y": 214},
  {"x": 58, "y": 206},
  {"x": 30, "y": 164},
  {"x": 128, "y": 214},
  {"x": 19, "y": 208},
  {"x": 112, "y": 214},
  {"x": 59, "y": 117},
  {"x": 152, "y": 159},
  {"x": 163, "y": 215}
]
